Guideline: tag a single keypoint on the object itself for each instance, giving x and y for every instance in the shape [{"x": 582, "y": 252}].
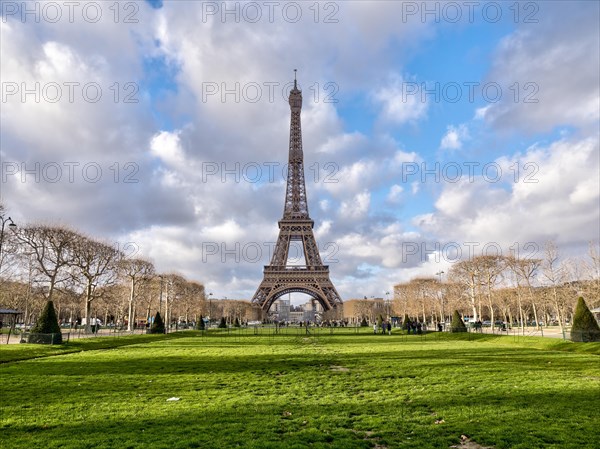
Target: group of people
[
  {"x": 415, "y": 326},
  {"x": 385, "y": 326}
]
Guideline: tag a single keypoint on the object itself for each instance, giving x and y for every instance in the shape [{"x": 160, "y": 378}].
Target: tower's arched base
[{"x": 279, "y": 281}]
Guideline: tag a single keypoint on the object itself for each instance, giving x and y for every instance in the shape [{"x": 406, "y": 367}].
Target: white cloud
[
  {"x": 454, "y": 137},
  {"x": 549, "y": 72},
  {"x": 357, "y": 207},
  {"x": 560, "y": 200},
  {"x": 480, "y": 112},
  {"x": 395, "y": 193},
  {"x": 398, "y": 103},
  {"x": 414, "y": 187},
  {"x": 167, "y": 146}
]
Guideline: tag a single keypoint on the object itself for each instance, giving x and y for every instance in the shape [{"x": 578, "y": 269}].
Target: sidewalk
[{"x": 531, "y": 331}]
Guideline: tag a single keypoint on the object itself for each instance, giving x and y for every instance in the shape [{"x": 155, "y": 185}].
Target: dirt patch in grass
[
  {"x": 339, "y": 368},
  {"x": 467, "y": 443}
]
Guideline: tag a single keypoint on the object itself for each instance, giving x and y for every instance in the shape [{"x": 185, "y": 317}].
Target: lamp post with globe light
[
  {"x": 439, "y": 274},
  {"x": 12, "y": 226},
  {"x": 209, "y": 308}
]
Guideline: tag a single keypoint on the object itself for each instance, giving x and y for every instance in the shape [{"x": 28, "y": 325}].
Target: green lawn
[{"x": 295, "y": 391}]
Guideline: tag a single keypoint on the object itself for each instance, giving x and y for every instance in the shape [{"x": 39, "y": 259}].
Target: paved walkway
[
  {"x": 75, "y": 334},
  {"x": 549, "y": 332}
]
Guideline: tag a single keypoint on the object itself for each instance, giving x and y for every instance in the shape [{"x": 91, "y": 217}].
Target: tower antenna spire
[{"x": 295, "y": 70}]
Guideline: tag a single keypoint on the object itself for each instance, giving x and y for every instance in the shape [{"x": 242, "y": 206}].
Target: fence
[
  {"x": 274, "y": 332},
  {"x": 45, "y": 339}
]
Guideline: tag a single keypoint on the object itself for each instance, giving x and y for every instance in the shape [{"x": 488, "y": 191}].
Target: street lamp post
[
  {"x": 161, "y": 293},
  {"x": 11, "y": 225},
  {"x": 439, "y": 274},
  {"x": 209, "y": 308},
  {"x": 387, "y": 300}
]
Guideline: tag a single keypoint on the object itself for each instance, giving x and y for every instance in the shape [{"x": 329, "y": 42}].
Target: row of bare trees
[
  {"x": 507, "y": 288},
  {"x": 90, "y": 279}
]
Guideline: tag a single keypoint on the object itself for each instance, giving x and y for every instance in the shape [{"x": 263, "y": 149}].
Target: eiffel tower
[{"x": 296, "y": 225}]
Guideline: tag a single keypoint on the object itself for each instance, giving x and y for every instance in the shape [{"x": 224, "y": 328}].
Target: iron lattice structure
[{"x": 280, "y": 278}]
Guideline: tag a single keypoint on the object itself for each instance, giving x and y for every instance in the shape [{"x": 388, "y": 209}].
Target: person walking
[
  {"x": 374, "y": 328},
  {"x": 389, "y": 328}
]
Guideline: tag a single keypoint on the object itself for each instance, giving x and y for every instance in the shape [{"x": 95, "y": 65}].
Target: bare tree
[
  {"x": 426, "y": 291},
  {"x": 194, "y": 302},
  {"x": 466, "y": 273},
  {"x": 592, "y": 266},
  {"x": 95, "y": 267},
  {"x": 525, "y": 270},
  {"x": 363, "y": 309},
  {"x": 8, "y": 246},
  {"x": 174, "y": 285},
  {"x": 149, "y": 292},
  {"x": 489, "y": 269},
  {"x": 135, "y": 271},
  {"x": 555, "y": 275},
  {"x": 52, "y": 249}
]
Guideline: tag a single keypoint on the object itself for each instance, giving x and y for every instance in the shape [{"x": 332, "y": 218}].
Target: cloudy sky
[{"x": 432, "y": 131}]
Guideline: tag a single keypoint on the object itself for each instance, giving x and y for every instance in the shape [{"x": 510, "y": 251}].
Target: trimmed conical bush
[
  {"x": 223, "y": 323},
  {"x": 458, "y": 325},
  {"x": 46, "y": 329},
  {"x": 585, "y": 327},
  {"x": 158, "y": 326},
  {"x": 201, "y": 325}
]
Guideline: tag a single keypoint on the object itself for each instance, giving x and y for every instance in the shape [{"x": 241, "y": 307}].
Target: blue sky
[{"x": 163, "y": 145}]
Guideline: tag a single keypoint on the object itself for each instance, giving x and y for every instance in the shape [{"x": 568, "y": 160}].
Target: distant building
[{"x": 283, "y": 310}]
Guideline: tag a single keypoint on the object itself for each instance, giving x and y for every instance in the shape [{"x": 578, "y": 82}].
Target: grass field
[{"x": 295, "y": 391}]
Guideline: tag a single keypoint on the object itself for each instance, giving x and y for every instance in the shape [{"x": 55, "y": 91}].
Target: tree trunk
[
  {"x": 473, "y": 303},
  {"x": 535, "y": 316},
  {"x": 166, "y": 317},
  {"x": 522, "y": 324},
  {"x": 51, "y": 288},
  {"x": 489, "y": 295},
  {"x": 88, "y": 308},
  {"x": 559, "y": 315},
  {"x": 130, "y": 314}
]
